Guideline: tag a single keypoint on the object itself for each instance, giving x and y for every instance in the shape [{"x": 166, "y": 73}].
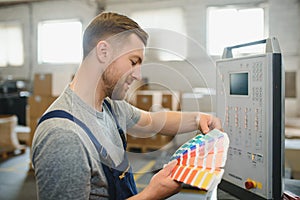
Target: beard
[{"x": 113, "y": 88}]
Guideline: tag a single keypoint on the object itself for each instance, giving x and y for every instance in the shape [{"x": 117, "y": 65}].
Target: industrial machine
[
  {"x": 250, "y": 102},
  {"x": 13, "y": 99}
]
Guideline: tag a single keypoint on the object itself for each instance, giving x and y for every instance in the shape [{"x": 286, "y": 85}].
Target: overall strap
[
  {"x": 63, "y": 114},
  {"x": 120, "y": 130},
  {"x": 124, "y": 182}
]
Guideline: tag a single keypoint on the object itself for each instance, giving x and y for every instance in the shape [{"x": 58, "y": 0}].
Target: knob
[{"x": 249, "y": 184}]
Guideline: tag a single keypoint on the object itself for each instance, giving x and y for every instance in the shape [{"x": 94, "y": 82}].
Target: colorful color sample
[{"x": 201, "y": 159}]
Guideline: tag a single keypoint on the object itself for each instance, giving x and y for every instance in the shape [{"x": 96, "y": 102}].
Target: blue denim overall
[{"x": 120, "y": 180}]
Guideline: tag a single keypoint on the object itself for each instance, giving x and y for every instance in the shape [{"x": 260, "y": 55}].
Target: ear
[{"x": 102, "y": 50}]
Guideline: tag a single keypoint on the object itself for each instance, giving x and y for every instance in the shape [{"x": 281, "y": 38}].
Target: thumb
[
  {"x": 204, "y": 123},
  {"x": 167, "y": 170}
]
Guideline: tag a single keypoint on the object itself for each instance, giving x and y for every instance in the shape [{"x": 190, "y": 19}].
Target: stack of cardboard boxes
[
  {"x": 292, "y": 147},
  {"x": 46, "y": 88},
  {"x": 153, "y": 100}
]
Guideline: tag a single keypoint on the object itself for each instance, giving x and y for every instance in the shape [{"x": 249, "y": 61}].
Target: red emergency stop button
[{"x": 249, "y": 184}]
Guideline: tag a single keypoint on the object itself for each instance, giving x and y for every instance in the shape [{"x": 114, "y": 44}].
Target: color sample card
[{"x": 201, "y": 160}]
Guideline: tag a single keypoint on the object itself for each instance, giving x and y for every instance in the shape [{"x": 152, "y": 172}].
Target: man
[{"x": 78, "y": 151}]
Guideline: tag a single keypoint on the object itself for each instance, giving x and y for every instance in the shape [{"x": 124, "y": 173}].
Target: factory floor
[{"x": 17, "y": 181}]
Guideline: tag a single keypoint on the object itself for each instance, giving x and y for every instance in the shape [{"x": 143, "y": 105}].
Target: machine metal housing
[{"x": 250, "y": 103}]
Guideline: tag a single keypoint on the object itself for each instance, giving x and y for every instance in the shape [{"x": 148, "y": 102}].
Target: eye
[{"x": 133, "y": 63}]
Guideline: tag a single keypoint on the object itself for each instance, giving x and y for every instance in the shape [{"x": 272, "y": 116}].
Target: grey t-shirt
[{"x": 66, "y": 163}]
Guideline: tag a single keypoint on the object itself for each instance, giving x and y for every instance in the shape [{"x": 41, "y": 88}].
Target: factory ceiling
[{"x": 14, "y": 2}]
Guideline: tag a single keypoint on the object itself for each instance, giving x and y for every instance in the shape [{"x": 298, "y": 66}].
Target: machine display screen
[{"x": 238, "y": 83}]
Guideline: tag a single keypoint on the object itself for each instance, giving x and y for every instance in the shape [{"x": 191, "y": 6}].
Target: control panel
[{"x": 250, "y": 105}]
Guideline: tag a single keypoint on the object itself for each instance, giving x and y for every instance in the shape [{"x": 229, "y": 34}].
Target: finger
[
  {"x": 167, "y": 170},
  {"x": 204, "y": 123}
]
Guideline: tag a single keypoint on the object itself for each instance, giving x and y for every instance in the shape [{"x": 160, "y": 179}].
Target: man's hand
[
  {"x": 161, "y": 185},
  {"x": 208, "y": 122}
]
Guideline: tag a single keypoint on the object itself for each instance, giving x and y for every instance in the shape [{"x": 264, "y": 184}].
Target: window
[
  {"x": 232, "y": 26},
  {"x": 169, "y": 26},
  {"x": 60, "y": 41},
  {"x": 11, "y": 44}
]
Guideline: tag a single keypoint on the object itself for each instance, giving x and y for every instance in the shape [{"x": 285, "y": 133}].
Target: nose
[{"x": 137, "y": 73}]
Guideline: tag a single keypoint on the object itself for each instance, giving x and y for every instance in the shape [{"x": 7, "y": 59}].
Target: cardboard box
[
  {"x": 149, "y": 100},
  {"x": 156, "y": 100},
  {"x": 292, "y": 160},
  {"x": 50, "y": 84},
  {"x": 38, "y": 105},
  {"x": 144, "y": 101},
  {"x": 167, "y": 101},
  {"x": 292, "y": 152},
  {"x": 291, "y": 132},
  {"x": 171, "y": 100},
  {"x": 296, "y": 175}
]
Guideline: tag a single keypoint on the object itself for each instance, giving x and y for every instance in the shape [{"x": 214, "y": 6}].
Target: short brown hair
[{"x": 108, "y": 24}]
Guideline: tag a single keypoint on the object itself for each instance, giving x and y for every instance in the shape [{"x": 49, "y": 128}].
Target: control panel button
[{"x": 249, "y": 184}]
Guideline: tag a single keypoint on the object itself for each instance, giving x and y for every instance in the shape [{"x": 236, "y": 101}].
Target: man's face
[{"x": 124, "y": 69}]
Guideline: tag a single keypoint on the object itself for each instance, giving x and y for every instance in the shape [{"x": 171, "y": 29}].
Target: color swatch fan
[{"x": 201, "y": 160}]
